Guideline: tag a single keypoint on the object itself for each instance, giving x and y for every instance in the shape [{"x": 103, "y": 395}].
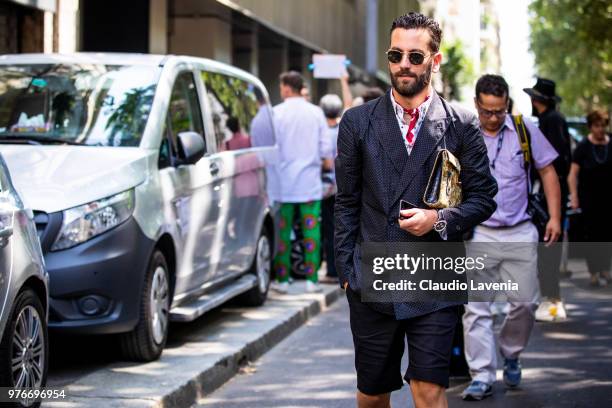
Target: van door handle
[
  {"x": 214, "y": 168},
  {"x": 6, "y": 232}
]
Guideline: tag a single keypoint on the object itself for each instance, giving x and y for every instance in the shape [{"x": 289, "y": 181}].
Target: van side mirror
[{"x": 191, "y": 147}]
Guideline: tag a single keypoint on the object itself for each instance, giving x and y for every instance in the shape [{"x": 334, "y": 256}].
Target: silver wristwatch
[{"x": 440, "y": 224}]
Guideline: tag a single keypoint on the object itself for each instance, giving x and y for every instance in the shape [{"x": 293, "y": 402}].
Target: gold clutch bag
[{"x": 444, "y": 188}]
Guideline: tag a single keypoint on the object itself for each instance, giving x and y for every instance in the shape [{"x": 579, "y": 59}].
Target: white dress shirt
[
  {"x": 404, "y": 125},
  {"x": 302, "y": 144}
]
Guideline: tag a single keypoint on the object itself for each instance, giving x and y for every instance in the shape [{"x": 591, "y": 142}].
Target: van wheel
[
  {"x": 24, "y": 350},
  {"x": 262, "y": 268},
  {"x": 146, "y": 342}
]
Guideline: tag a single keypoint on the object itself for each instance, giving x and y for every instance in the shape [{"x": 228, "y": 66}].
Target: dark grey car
[{"x": 24, "y": 350}]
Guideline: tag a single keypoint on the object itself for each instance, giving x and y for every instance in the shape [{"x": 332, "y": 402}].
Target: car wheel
[
  {"x": 146, "y": 342},
  {"x": 262, "y": 268},
  {"x": 24, "y": 350}
]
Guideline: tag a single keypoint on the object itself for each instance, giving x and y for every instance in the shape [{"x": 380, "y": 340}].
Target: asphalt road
[{"x": 567, "y": 364}]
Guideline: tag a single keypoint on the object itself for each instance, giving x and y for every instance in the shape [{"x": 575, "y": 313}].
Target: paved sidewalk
[{"x": 211, "y": 350}]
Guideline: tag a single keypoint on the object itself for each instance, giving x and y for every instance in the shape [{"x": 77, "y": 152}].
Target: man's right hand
[{"x": 345, "y": 285}]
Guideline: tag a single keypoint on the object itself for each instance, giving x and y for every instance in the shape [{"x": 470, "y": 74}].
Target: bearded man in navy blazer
[{"x": 386, "y": 152}]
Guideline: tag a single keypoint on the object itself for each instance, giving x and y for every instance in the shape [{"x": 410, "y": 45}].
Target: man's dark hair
[
  {"x": 292, "y": 79},
  {"x": 233, "y": 124},
  {"x": 414, "y": 20},
  {"x": 490, "y": 84}
]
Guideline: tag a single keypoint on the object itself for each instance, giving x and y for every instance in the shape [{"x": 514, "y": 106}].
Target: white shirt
[
  {"x": 302, "y": 143},
  {"x": 399, "y": 115}
]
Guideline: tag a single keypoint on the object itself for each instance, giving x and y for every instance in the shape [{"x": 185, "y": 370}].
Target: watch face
[{"x": 440, "y": 226}]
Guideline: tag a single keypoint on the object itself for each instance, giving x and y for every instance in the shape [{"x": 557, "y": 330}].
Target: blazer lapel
[
  {"x": 430, "y": 134},
  {"x": 388, "y": 133}
]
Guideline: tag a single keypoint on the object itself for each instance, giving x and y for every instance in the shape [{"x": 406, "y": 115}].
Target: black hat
[{"x": 543, "y": 89}]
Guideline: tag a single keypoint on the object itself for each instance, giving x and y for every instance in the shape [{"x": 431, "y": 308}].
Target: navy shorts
[{"x": 379, "y": 346}]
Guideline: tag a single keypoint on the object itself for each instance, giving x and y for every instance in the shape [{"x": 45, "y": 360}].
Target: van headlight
[{"x": 89, "y": 220}]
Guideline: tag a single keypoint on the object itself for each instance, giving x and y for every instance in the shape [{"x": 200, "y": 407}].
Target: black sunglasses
[{"x": 415, "y": 57}]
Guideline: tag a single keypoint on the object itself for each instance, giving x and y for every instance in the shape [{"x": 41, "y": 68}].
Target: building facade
[{"x": 262, "y": 37}]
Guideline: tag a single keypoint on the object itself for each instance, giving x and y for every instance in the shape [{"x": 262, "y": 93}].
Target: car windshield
[{"x": 88, "y": 104}]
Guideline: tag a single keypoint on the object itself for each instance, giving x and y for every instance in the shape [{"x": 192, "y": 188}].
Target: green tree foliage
[
  {"x": 457, "y": 70},
  {"x": 571, "y": 40}
]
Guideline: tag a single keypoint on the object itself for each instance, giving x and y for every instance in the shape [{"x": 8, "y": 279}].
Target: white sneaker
[
  {"x": 312, "y": 287},
  {"x": 543, "y": 312},
  {"x": 561, "y": 313},
  {"x": 550, "y": 311},
  {"x": 280, "y": 287}
]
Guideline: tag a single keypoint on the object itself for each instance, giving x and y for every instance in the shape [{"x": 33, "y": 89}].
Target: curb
[{"x": 226, "y": 368}]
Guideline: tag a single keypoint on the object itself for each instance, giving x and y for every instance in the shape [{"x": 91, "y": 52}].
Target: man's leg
[
  {"x": 516, "y": 329},
  {"x": 311, "y": 229},
  {"x": 428, "y": 395},
  {"x": 479, "y": 341},
  {"x": 430, "y": 342},
  {"x": 282, "y": 261},
  {"x": 478, "y": 334},
  {"x": 379, "y": 345},
  {"x": 521, "y": 267},
  {"x": 373, "y": 401},
  {"x": 548, "y": 271}
]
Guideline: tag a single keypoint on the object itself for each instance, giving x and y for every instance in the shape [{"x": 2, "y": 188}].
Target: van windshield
[{"x": 85, "y": 104}]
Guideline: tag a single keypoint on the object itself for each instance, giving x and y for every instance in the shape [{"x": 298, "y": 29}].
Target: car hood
[{"x": 55, "y": 178}]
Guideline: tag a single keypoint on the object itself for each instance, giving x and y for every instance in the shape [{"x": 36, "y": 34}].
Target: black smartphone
[{"x": 405, "y": 205}]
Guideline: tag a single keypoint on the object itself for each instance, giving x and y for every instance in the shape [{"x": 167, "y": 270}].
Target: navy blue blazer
[{"x": 374, "y": 171}]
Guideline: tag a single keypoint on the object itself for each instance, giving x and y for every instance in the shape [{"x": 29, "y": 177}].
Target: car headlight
[{"x": 87, "y": 221}]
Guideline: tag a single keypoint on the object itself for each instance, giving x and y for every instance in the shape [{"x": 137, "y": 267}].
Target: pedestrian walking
[
  {"x": 591, "y": 170},
  {"x": 544, "y": 102},
  {"x": 303, "y": 149},
  {"x": 510, "y": 223},
  {"x": 386, "y": 151}
]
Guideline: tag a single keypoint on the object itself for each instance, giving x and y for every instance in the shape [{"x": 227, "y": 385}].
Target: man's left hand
[
  {"x": 553, "y": 231},
  {"x": 419, "y": 221}
]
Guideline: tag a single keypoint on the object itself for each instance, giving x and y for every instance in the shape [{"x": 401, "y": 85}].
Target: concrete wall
[
  {"x": 337, "y": 26},
  {"x": 158, "y": 27},
  {"x": 201, "y": 28}
]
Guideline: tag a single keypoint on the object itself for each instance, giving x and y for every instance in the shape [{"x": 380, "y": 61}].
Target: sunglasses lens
[
  {"x": 394, "y": 56},
  {"x": 416, "y": 58}
]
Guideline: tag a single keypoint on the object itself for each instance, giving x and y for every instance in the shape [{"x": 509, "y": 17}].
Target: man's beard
[{"x": 411, "y": 89}]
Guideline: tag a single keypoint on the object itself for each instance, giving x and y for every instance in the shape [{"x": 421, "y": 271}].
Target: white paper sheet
[{"x": 329, "y": 65}]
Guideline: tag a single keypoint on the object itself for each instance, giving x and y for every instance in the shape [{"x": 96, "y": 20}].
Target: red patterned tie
[{"x": 414, "y": 117}]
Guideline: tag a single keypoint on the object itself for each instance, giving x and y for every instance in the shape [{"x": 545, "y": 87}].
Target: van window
[
  {"x": 96, "y": 105},
  {"x": 184, "y": 115},
  {"x": 184, "y": 110},
  {"x": 234, "y": 105}
]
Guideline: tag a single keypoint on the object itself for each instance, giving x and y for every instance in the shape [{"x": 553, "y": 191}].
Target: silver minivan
[
  {"x": 24, "y": 349},
  {"x": 148, "y": 176}
]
